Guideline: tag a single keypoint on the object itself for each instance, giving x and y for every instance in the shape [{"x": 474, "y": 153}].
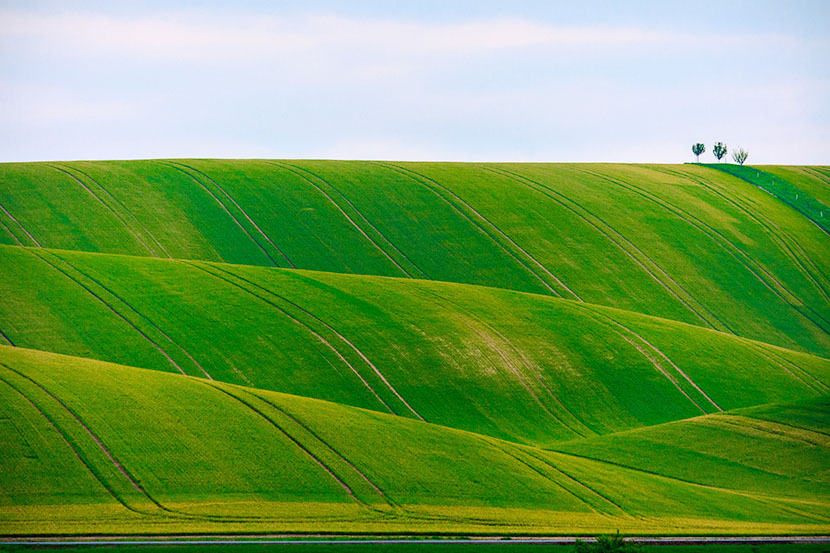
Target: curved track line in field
[
  {"x": 297, "y": 172},
  {"x": 654, "y": 362},
  {"x": 363, "y": 356},
  {"x": 120, "y": 203},
  {"x": 440, "y": 300},
  {"x": 767, "y": 224},
  {"x": 368, "y": 222},
  {"x": 75, "y": 450},
  {"x": 296, "y": 321},
  {"x": 713, "y": 235},
  {"x": 137, "y": 312},
  {"x": 480, "y": 224},
  {"x": 293, "y": 440},
  {"x": 239, "y": 207},
  {"x": 595, "y": 222},
  {"x": 13, "y": 235},
  {"x": 106, "y": 206},
  {"x": 6, "y": 337},
  {"x": 767, "y": 427},
  {"x": 316, "y": 436},
  {"x": 779, "y": 360},
  {"x": 29, "y": 234},
  {"x": 790, "y": 425},
  {"x": 111, "y": 308},
  {"x": 224, "y": 208}
]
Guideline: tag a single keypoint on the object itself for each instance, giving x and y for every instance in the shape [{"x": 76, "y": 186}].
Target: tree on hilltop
[
  {"x": 740, "y": 155},
  {"x": 698, "y": 149},
  {"x": 719, "y": 150}
]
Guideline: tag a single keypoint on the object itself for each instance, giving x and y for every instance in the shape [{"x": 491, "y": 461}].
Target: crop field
[{"x": 302, "y": 347}]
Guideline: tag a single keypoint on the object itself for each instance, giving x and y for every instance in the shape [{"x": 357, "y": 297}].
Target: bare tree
[
  {"x": 698, "y": 149},
  {"x": 719, "y": 150},
  {"x": 740, "y": 155}
]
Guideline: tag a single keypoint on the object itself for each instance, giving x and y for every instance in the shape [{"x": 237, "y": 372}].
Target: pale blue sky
[{"x": 439, "y": 80}]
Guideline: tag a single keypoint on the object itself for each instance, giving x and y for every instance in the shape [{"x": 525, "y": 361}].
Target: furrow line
[
  {"x": 342, "y": 457},
  {"x": 273, "y": 423},
  {"x": 320, "y": 338},
  {"x": 790, "y": 425},
  {"x": 713, "y": 235},
  {"x": 111, "y": 308},
  {"x": 109, "y": 208},
  {"x": 779, "y": 360},
  {"x": 224, "y": 208},
  {"x": 480, "y": 224},
  {"x": 239, "y": 207},
  {"x": 771, "y": 229},
  {"x": 13, "y": 235},
  {"x": 137, "y": 312},
  {"x": 345, "y": 340},
  {"x": 12, "y": 217},
  {"x": 75, "y": 449},
  {"x": 297, "y": 172},
  {"x": 595, "y": 221},
  {"x": 755, "y": 424},
  {"x": 441, "y": 299},
  {"x": 124, "y": 207},
  {"x": 6, "y": 337}
]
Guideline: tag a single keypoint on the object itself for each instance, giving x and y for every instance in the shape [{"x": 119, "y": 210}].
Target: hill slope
[
  {"x": 681, "y": 242},
  {"x": 517, "y": 366},
  {"x": 189, "y": 455}
]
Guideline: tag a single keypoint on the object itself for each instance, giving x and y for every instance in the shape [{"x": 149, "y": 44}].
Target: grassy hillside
[
  {"x": 680, "y": 242},
  {"x": 517, "y": 366},
  {"x": 187, "y": 454}
]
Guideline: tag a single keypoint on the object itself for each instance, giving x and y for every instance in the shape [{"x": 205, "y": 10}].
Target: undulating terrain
[{"x": 222, "y": 346}]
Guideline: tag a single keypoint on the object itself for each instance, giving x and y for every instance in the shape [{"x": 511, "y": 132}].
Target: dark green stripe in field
[
  {"x": 111, "y": 449},
  {"x": 680, "y": 242}
]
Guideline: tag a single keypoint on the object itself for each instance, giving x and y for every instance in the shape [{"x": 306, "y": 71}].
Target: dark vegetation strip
[
  {"x": 121, "y": 204},
  {"x": 482, "y": 223},
  {"x": 772, "y": 230},
  {"x": 224, "y": 208},
  {"x": 6, "y": 337},
  {"x": 111, "y": 308},
  {"x": 301, "y": 174},
  {"x": 608, "y": 231},
  {"x": 360, "y": 353},
  {"x": 108, "y": 207},
  {"x": 239, "y": 207},
  {"x": 314, "y": 333},
  {"x": 777, "y": 287},
  {"x": 134, "y": 310},
  {"x": 19, "y": 224}
]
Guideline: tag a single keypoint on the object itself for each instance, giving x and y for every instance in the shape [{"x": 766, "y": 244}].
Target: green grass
[
  {"x": 680, "y": 242},
  {"x": 517, "y": 366},
  {"x": 190, "y": 455}
]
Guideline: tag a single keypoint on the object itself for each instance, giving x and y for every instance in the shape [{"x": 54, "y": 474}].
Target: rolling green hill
[
  {"x": 222, "y": 346},
  {"x": 190, "y": 455},
  {"x": 518, "y": 366},
  {"x": 681, "y": 242}
]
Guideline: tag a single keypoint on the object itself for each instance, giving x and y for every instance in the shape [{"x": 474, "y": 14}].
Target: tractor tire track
[
  {"x": 596, "y": 222},
  {"x": 314, "y": 333},
  {"x": 123, "y": 206},
  {"x": 479, "y": 221},
  {"x": 13, "y": 235},
  {"x": 442, "y": 301},
  {"x": 771, "y": 228},
  {"x": 239, "y": 207},
  {"x": 653, "y": 361},
  {"x": 754, "y": 424},
  {"x": 137, "y": 312},
  {"x": 75, "y": 449},
  {"x": 293, "y": 440},
  {"x": 790, "y": 425},
  {"x": 299, "y": 172},
  {"x": 29, "y": 234},
  {"x": 106, "y": 206},
  {"x": 342, "y": 457},
  {"x": 111, "y": 308},
  {"x": 345, "y": 340},
  {"x": 6, "y": 338},
  {"x": 224, "y": 208},
  {"x": 779, "y": 360},
  {"x": 715, "y": 236}
]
